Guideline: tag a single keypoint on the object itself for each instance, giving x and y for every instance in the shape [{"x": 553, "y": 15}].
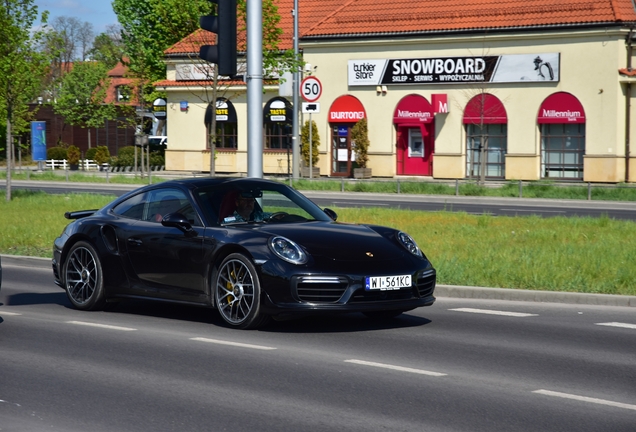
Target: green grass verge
[{"x": 591, "y": 255}]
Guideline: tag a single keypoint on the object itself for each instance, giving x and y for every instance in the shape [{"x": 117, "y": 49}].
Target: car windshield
[{"x": 257, "y": 202}]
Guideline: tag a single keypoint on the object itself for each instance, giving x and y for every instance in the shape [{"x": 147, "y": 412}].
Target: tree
[
  {"x": 21, "y": 66},
  {"x": 314, "y": 145},
  {"x": 108, "y": 47},
  {"x": 360, "y": 142},
  {"x": 82, "y": 95}
]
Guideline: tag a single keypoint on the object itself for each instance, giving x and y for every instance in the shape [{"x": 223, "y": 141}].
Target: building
[
  {"x": 115, "y": 134},
  {"x": 504, "y": 89}
]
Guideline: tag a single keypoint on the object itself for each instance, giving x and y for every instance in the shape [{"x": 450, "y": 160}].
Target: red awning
[
  {"x": 485, "y": 109},
  {"x": 561, "y": 107},
  {"x": 413, "y": 109},
  {"x": 346, "y": 109}
]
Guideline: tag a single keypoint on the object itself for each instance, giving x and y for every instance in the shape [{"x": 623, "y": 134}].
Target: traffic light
[{"x": 224, "y": 25}]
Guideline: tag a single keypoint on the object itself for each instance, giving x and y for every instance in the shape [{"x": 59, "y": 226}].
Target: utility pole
[
  {"x": 296, "y": 84},
  {"x": 255, "y": 88}
]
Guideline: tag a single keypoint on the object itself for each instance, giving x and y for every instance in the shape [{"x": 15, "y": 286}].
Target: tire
[
  {"x": 237, "y": 293},
  {"x": 383, "y": 315},
  {"x": 83, "y": 277}
]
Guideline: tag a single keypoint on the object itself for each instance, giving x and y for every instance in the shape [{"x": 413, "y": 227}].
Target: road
[
  {"x": 459, "y": 365},
  {"x": 473, "y": 205}
]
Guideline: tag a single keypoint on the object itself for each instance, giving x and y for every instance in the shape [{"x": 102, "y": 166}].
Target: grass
[
  {"x": 592, "y": 255},
  {"x": 534, "y": 189}
]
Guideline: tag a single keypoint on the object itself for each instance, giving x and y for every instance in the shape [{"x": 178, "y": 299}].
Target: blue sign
[
  {"x": 343, "y": 130},
  {"x": 38, "y": 140}
]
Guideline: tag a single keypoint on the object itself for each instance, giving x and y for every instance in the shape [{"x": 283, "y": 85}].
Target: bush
[
  {"x": 315, "y": 138},
  {"x": 102, "y": 155},
  {"x": 57, "y": 152},
  {"x": 73, "y": 155},
  {"x": 90, "y": 153},
  {"x": 126, "y": 157},
  {"x": 360, "y": 142}
]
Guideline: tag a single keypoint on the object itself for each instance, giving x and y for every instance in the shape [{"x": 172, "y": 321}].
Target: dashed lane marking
[
  {"x": 394, "y": 367},
  {"x": 104, "y": 326},
  {"x": 493, "y": 312},
  {"x": 236, "y": 344},
  {"x": 9, "y": 313},
  {"x": 586, "y": 399},
  {"x": 618, "y": 324}
]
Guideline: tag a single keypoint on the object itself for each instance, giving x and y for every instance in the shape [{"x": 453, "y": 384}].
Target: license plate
[{"x": 384, "y": 283}]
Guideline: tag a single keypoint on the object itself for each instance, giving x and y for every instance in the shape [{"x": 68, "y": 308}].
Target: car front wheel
[
  {"x": 238, "y": 293},
  {"x": 83, "y": 277}
]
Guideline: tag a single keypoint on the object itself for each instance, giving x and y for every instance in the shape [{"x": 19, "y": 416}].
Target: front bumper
[{"x": 342, "y": 294}]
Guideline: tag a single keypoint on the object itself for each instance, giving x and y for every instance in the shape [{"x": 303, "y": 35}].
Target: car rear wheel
[
  {"x": 238, "y": 293},
  {"x": 83, "y": 277}
]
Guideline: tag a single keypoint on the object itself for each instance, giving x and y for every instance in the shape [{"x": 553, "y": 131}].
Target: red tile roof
[
  {"x": 346, "y": 18},
  {"x": 375, "y": 17}
]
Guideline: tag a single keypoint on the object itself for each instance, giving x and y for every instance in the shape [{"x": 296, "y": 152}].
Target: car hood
[{"x": 340, "y": 241}]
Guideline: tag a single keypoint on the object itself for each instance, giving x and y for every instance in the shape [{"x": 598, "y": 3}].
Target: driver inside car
[{"x": 247, "y": 210}]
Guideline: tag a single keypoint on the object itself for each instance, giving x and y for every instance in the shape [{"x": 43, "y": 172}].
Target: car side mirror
[
  {"x": 332, "y": 214},
  {"x": 179, "y": 221}
]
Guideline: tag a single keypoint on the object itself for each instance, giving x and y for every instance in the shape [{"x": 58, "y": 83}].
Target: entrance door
[
  {"x": 413, "y": 151},
  {"x": 341, "y": 150}
]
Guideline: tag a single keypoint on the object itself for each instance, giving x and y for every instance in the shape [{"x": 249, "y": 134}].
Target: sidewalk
[{"x": 441, "y": 291}]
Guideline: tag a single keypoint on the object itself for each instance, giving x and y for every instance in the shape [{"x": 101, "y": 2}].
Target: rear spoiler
[{"x": 79, "y": 214}]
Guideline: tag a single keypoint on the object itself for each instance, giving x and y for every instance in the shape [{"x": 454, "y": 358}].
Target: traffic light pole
[{"x": 254, "y": 81}]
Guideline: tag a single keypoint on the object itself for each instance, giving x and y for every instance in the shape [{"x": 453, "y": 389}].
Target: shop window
[
  {"x": 486, "y": 143},
  {"x": 277, "y": 136},
  {"x": 226, "y": 135},
  {"x": 562, "y": 150}
]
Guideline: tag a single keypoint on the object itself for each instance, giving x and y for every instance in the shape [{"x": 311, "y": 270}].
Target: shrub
[
  {"x": 90, "y": 153},
  {"x": 126, "y": 157},
  {"x": 102, "y": 155},
  {"x": 57, "y": 152},
  {"x": 315, "y": 138},
  {"x": 73, "y": 155},
  {"x": 360, "y": 142}
]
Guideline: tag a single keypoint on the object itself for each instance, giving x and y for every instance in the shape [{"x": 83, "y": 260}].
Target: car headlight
[
  {"x": 287, "y": 250},
  {"x": 408, "y": 242}
]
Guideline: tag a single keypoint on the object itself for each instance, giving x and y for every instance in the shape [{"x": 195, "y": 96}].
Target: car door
[{"x": 166, "y": 260}]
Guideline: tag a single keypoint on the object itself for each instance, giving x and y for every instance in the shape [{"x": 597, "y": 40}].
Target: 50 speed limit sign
[{"x": 310, "y": 89}]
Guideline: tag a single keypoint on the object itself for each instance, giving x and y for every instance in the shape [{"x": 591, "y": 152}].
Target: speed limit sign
[{"x": 310, "y": 89}]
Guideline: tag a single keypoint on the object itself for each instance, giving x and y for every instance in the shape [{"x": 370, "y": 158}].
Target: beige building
[{"x": 535, "y": 91}]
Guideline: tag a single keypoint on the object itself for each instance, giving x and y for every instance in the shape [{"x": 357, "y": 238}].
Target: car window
[
  {"x": 274, "y": 202},
  {"x": 164, "y": 201},
  {"x": 133, "y": 207}
]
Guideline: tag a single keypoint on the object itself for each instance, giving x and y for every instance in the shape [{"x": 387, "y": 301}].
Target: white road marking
[
  {"x": 617, "y": 324},
  {"x": 104, "y": 326},
  {"x": 236, "y": 344},
  {"x": 9, "y": 313},
  {"x": 393, "y": 367},
  {"x": 586, "y": 399},
  {"x": 493, "y": 312}
]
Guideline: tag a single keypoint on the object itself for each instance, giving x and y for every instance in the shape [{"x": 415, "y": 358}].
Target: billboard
[
  {"x": 38, "y": 140},
  {"x": 508, "y": 68}
]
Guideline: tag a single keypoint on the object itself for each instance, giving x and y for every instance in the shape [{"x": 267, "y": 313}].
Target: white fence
[{"x": 84, "y": 164}]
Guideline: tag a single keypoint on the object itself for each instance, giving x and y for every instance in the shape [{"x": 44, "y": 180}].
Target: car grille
[
  {"x": 320, "y": 289},
  {"x": 425, "y": 283}
]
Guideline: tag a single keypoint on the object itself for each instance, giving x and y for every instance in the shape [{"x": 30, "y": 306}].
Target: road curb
[
  {"x": 441, "y": 291},
  {"x": 452, "y": 291}
]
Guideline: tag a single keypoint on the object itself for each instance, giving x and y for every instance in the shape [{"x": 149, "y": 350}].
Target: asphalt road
[
  {"x": 459, "y": 365},
  {"x": 474, "y": 205}
]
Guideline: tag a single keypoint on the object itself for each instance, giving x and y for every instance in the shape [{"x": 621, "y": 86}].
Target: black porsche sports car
[{"x": 251, "y": 248}]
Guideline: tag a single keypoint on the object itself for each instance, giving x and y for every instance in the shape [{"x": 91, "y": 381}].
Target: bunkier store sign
[{"x": 455, "y": 70}]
